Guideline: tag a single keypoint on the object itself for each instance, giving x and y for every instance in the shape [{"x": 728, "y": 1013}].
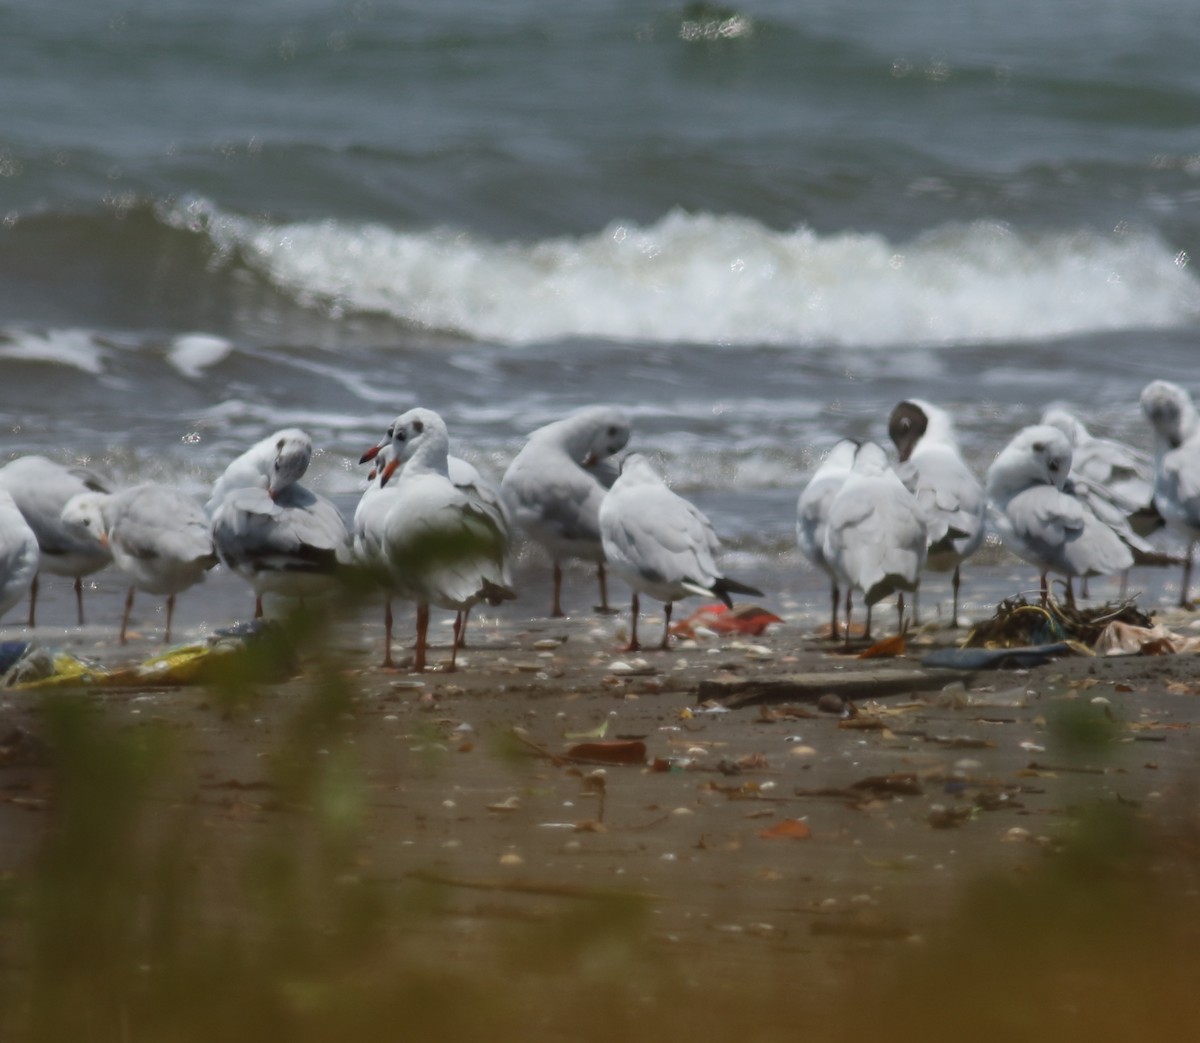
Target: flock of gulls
[{"x": 431, "y": 530}]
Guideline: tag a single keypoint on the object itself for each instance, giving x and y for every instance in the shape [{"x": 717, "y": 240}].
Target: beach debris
[
  {"x": 888, "y": 648},
  {"x": 599, "y": 732},
  {"x": 942, "y": 817},
  {"x": 787, "y": 829},
  {"x": 718, "y": 619},
  {"x": 512, "y": 803},
  {"x": 609, "y": 751},
  {"x": 1122, "y": 638},
  {"x": 851, "y": 683},
  {"x": 1017, "y": 623},
  {"x": 1004, "y": 658}
]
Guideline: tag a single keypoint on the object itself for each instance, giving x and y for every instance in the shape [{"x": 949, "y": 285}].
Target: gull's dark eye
[
  {"x": 391, "y": 431},
  {"x": 1053, "y": 465},
  {"x": 612, "y": 432},
  {"x": 279, "y": 444},
  {"x": 1039, "y": 447}
]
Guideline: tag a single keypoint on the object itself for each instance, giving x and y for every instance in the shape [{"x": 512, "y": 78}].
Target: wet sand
[{"x": 766, "y": 828}]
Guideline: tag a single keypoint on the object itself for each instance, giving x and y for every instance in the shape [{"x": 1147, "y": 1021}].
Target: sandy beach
[{"x": 770, "y": 808}]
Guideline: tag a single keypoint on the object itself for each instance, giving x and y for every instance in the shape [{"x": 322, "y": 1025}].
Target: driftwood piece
[{"x": 808, "y": 688}]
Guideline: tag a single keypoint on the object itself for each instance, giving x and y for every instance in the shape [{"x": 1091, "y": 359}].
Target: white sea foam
[
  {"x": 192, "y": 353},
  {"x": 77, "y": 349},
  {"x": 725, "y": 280}
]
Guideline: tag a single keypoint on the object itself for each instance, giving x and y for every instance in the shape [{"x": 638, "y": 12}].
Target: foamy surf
[{"x": 710, "y": 279}]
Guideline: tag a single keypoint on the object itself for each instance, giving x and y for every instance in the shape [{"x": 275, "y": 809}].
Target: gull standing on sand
[
  {"x": 660, "y": 544},
  {"x": 812, "y": 515},
  {"x": 875, "y": 539},
  {"x": 279, "y": 536},
  {"x": 158, "y": 536},
  {"x": 440, "y": 546},
  {"x": 1042, "y": 518},
  {"x": 18, "y": 553},
  {"x": 933, "y": 470},
  {"x": 371, "y": 513},
  {"x": 555, "y": 484},
  {"x": 1172, "y": 415},
  {"x": 41, "y": 488}
]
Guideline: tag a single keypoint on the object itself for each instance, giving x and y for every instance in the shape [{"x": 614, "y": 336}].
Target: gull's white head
[
  {"x": 419, "y": 431},
  {"x": 871, "y": 460},
  {"x": 1170, "y": 412},
  {"x": 292, "y": 453},
  {"x": 84, "y": 514},
  {"x": 1038, "y": 455}
]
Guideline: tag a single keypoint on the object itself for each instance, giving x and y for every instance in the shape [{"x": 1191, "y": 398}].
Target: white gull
[
  {"x": 440, "y": 546},
  {"x": 875, "y": 539},
  {"x": 933, "y": 470},
  {"x": 555, "y": 484},
  {"x": 159, "y": 537},
  {"x": 660, "y": 544},
  {"x": 1042, "y": 518},
  {"x": 41, "y": 488},
  {"x": 812, "y": 515}
]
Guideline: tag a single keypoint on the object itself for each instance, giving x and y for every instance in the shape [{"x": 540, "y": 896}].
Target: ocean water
[{"x": 755, "y": 226}]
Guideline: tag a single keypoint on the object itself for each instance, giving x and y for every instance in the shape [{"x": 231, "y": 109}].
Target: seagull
[
  {"x": 933, "y": 470},
  {"x": 1124, "y": 471},
  {"x": 372, "y": 511},
  {"x": 812, "y": 515},
  {"x": 1043, "y": 518},
  {"x": 555, "y": 484},
  {"x": 660, "y": 544},
  {"x": 1176, "y": 426},
  {"x": 1120, "y": 480},
  {"x": 18, "y": 553},
  {"x": 41, "y": 489},
  {"x": 276, "y": 534},
  {"x": 439, "y": 545},
  {"x": 875, "y": 538},
  {"x": 158, "y": 536}
]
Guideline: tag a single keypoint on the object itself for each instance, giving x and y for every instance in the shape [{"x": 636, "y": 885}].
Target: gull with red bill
[{"x": 433, "y": 543}]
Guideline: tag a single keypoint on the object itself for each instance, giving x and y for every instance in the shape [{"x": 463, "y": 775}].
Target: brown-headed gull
[
  {"x": 18, "y": 553},
  {"x": 875, "y": 538},
  {"x": 660, "y": 544},
  {"x": 555, "y": 484},
  {"x": 159, "y": 537},
  {"x": 440, "y": 546},
  {"x": 1043, "y": 519},
  {"x": 812, "y": 515},
  {"x": 1173, "y": 417},
  {"x": 279, "y": 536},
  {"x": 933, "y": 470},
  {"x": 41, "y": 488}
]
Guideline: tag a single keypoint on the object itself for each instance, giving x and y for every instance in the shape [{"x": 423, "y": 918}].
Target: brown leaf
[
  {"x": 888, "y": 648},
  {"x": 615, "y": 751},
  {"x": 787, "y": 829}
]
